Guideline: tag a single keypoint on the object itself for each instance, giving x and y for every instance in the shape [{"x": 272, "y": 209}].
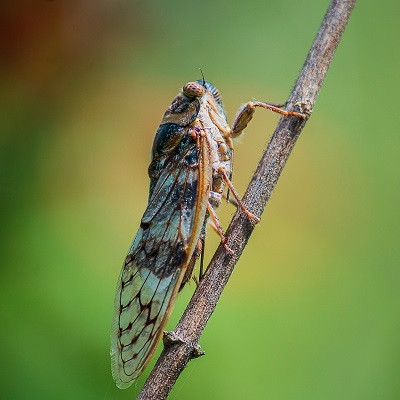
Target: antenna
[{"x": 204, "y": 81}]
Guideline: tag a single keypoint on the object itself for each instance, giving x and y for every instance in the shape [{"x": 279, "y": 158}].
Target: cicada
[{"x": 190, "y": 172}]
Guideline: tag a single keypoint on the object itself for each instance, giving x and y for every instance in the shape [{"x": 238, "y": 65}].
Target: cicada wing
[{"x": 157, "y": 260}]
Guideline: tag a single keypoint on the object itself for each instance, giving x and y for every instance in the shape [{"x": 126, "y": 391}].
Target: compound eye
[{"x": 193, "y": 89}]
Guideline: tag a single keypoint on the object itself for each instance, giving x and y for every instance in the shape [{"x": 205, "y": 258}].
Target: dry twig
[{"x": 181, "y": 345}]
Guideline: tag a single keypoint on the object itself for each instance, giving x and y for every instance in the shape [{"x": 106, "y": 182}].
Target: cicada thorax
[{"x": 185, "y": 120}]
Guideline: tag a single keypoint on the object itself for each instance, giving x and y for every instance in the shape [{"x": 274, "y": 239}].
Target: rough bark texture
[{"x": 182, "y": 344}]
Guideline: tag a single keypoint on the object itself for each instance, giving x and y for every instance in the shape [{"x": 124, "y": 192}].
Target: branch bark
[{"x": 181, "y": 345}]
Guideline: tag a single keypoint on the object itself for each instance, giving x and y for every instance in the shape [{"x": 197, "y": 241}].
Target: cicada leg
[
  {"x": 246, "y": 112},
  {"x": 201, "y": 270},
  {"x": 217, "y": 226},
  {"x": 198, "y": 252},
  {"x": 230, "y": 200},
  {"x": 228, "y": 182}
]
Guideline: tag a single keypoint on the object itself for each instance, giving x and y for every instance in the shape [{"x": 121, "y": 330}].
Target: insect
[{"x": 190, "y": 170}]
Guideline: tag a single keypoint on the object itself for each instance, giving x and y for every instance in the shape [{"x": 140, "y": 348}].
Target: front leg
[{"x": 246, "y": 112}]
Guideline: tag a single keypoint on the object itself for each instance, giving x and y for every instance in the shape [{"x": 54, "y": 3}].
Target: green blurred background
[{"x": 312, "y": 309}]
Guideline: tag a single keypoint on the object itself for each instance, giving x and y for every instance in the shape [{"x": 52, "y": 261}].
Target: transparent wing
[{"x": 156, "y": 262}]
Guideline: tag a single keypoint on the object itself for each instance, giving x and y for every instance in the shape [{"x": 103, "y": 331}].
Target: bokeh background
[{"x": 312, "y": 309}]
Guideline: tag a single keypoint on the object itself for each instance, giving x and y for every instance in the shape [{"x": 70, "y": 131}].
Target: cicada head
[
  {"x": 198, "y": 88},
  {"x": 193, "y": 89}
]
